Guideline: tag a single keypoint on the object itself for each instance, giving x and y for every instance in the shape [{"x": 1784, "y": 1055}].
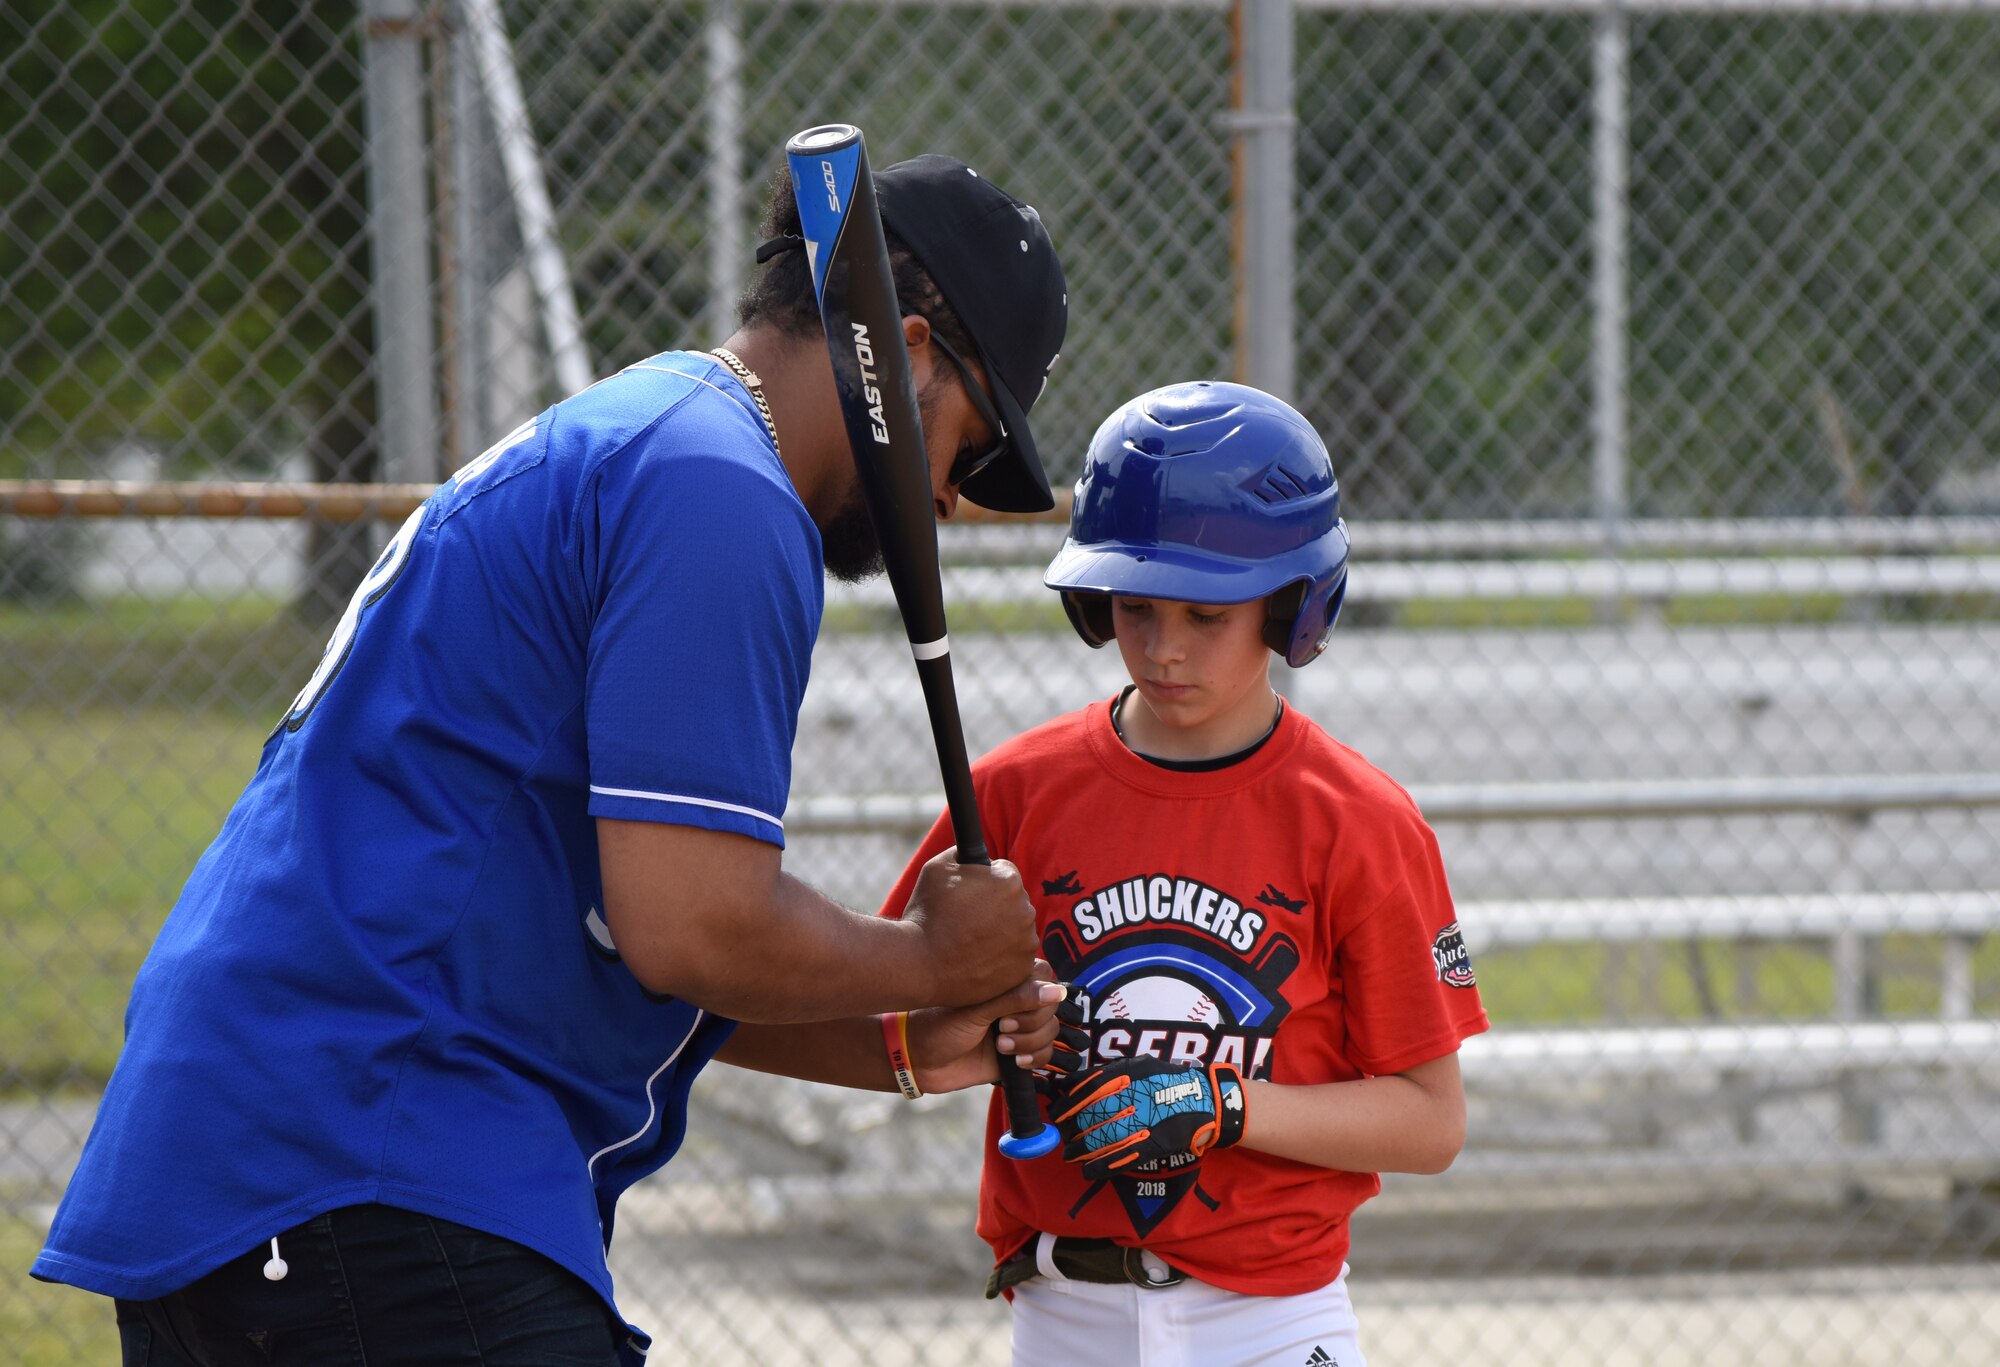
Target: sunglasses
[{"x": 970, "y": 464}]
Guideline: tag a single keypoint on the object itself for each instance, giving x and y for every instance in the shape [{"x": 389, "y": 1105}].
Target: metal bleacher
[{"x": 1852, "y": 1093}]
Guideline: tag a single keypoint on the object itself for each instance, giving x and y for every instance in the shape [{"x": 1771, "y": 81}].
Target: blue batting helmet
[{"x": 1207, "y": 493}]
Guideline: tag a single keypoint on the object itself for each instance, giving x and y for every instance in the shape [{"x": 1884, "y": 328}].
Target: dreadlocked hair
[{"x": 782, "y": 296}]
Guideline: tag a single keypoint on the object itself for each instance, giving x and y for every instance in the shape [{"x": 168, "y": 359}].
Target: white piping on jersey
[
  {"x": 599, "y": 931},
  {"x": 690, "y": 801},
  {"x": 652, "y": 1106},
  {"x": 669, "y": 370}
]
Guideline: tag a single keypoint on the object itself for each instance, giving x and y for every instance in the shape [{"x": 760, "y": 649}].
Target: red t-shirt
[{"x": 1287, "y": 913}]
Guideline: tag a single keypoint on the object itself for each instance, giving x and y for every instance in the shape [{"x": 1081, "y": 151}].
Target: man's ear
[{"x": 916, "y": 339}]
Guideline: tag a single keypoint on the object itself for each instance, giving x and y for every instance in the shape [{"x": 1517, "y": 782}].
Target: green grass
[
  {"x": 102, "y": 815},
  {"x": 1555, "y": 985},
  {"x": 1707, "y": 610},
  {"x": 245, "y": 656},
  {"x": 43, "y": 1325},
  {"x": 186, "y": 648}
]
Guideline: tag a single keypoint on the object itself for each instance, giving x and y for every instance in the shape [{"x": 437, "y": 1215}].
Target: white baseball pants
[{"x": 1058, "y": 1322}]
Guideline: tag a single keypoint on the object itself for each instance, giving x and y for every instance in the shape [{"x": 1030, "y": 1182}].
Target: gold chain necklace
[{"x": 751, "y": 383}]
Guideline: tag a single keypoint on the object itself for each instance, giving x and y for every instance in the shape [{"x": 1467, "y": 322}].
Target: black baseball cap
[{"x": 992, "y": 261}]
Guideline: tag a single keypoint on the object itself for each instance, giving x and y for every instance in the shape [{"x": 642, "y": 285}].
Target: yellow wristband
[{"x": 896, "y": 1035}]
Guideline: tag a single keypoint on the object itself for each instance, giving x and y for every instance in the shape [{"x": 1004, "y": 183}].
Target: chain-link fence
[{"x": 1658, "y": 345}]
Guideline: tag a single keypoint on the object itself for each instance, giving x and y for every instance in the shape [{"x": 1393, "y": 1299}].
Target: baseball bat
[{"x": 849, "y": 258}]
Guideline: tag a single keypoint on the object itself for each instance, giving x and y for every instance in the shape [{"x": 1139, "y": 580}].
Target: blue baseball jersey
[{"x": 389, "y": 978}]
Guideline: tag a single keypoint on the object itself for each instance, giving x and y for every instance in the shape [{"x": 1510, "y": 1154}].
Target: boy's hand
[
  {"x": 1070, "y": 1054},
  {"x": 952, "y": 1047},
  {"x": 1142, "y": 1109}
]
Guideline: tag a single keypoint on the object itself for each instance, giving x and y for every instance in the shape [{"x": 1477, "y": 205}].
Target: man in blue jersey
[{"x": 508, "y": 874}]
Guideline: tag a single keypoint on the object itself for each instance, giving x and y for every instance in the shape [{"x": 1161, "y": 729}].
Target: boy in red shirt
[{"x": 1254, "y": 918}]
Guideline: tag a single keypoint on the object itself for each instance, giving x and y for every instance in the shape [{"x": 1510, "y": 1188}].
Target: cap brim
[
  {"x": 1164, "y": 572},
  {"x": 1016, "y": 482}
]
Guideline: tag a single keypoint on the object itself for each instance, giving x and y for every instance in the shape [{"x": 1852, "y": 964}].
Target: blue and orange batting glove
[{"x": 1132, "y": 1111}]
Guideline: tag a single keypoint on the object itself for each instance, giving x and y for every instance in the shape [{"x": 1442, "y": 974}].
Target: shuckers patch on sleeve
[{"x": 1454, "y": 965}]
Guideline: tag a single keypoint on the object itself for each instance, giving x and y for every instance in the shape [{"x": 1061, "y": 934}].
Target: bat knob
[{"x": 1019, "y": 1147}]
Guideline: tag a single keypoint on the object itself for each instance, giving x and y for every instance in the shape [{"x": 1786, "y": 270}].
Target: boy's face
[{"x": 1202, "y": 670}]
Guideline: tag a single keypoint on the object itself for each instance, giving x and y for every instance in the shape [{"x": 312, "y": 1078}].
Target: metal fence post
[
  {"x": 1610, "y": 150},
  {"x": 470, "y": 245},
  {"x": 1265, "y": 127},
  {"x": 399, "y": 236},
  {"x": 725, "y": 166}
]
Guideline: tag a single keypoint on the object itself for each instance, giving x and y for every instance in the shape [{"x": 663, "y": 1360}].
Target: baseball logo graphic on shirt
[
  {"x": 1157, "y": 999},
  {"x": 1454, "y": 965},
  {"x": 1204, "y": 987}
]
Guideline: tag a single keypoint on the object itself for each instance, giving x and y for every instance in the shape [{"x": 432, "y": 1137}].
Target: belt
[{"x": 1081, "y": 1260}]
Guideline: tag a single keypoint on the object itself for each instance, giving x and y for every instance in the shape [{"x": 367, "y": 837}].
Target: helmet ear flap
[
  {"x": 1090, "y": 614},
  {"x": 1281, "y": 612},
  {"x": 1339, "y": 596},
  {"x": 1309, "y": 637}
]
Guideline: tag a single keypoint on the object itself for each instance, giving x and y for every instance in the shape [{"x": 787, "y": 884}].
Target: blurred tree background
[
  {"x": 186, "y": 256},
  {"x": 1813, "y": 256}
]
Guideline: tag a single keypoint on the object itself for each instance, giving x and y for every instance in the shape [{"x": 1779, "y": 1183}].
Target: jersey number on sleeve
[{"x": 379, "y": 579}]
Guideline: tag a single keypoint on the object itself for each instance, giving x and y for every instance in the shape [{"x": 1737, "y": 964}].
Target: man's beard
[{"x": 848, "y": 543}]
